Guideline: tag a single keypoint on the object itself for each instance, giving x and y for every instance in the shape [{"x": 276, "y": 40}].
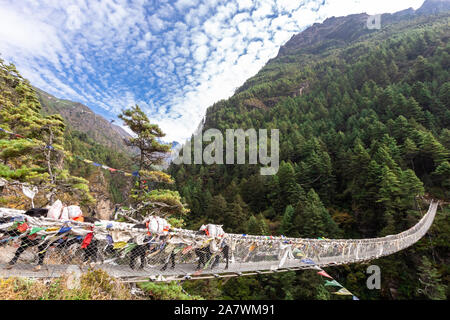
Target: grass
[{"x": 94, "y": 285}]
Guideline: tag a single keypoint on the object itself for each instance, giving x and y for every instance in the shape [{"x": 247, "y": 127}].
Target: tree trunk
[{"x": 48, "y": 156}]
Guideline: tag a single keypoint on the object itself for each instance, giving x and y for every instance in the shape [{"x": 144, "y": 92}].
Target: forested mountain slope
[
  {"x": 364, "y": 122},
  {"x": 26, "y": 158},
  {"x": 82, "y": 119}
]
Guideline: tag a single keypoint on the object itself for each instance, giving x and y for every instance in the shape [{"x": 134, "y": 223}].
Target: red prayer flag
[
  {"x": 323, "y": 273},
  {"x": 23, "y": 227},
  {"x": 87, "y": 240}
]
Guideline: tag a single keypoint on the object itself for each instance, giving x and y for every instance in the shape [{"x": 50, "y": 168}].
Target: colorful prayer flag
[
  {"x": 23, "y": 227},
  {"x": 332, "y": 283},
  {"x": 64, "y": 229},
  {"x": 87, "y": 240},
  {"x": 343, "y": 292},
  {"x": 35, "y": 229},
  {"x": 307, "y": 261},
  {"x": 120, "y": 245},
  {"x": 323, "y": 273}
]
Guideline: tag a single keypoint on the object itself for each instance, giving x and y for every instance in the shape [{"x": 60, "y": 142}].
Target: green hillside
[{"x": 364, "y": 124}]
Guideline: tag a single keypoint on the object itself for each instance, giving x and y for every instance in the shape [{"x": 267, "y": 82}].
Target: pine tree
[
  {"x": 312, "y": 219},
  {"x": 35, "y": 151},
  {"x": 161, "y": 202},
  {"x": 287, "y": 221},
  {"x": 151, "y": 151},
  {"x": 216, "y": 210},
  {"x": 430, "y": 281}
]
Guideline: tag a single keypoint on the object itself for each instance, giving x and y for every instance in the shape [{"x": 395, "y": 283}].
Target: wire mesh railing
[{"x": 40, "y": 247}]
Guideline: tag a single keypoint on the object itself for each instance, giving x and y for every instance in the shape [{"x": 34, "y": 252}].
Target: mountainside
[
  {"x": 341, "y": 31},
  {"x": 364, "y": 124},
  {"x": 81, "y": 118}
]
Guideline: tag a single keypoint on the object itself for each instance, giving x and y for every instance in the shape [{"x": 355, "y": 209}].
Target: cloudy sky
[{"x": 174, "y": 58}]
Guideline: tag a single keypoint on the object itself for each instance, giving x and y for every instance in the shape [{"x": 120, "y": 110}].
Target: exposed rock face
[
  {"x": 333, "y": 31},
  {"x": 434, "y": 6},
  {"x": 11, "y": 196},
  {"x": 103, "y": 207},
  {"x": 340, "y": 31}
]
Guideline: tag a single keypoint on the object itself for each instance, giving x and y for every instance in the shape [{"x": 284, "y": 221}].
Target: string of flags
[
  {"x": 112, "y": 170},
  {"x": 333, "y": 283},
  {"x": 105, "y": 167}
]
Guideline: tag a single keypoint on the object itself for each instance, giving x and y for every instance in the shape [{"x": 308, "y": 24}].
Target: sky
[{"x": 174, "y": 58}]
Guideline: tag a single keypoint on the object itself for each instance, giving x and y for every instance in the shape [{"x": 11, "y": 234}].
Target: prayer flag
[
  {"x": 64, "y": 229},
  {"x": 23, "y": 227},
  {"x": 119, "y": 245},
  {"x": 332, "y": 283},
  {"x": 186, "y": 250},
  {"x": 87, "y": 240},
  {"x": 323, "y": 273},
  {"x": 297, "y": 253},
  {"x": 52, "y": 229},
  {"x": 343, "y": 292},
  {"x": 130, "y": 247},
  {"x": 35, "y": 229},
  {"x": 307, "y": 261}
]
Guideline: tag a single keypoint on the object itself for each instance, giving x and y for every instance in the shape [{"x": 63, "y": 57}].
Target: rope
[{"x": 50, "y": 147}]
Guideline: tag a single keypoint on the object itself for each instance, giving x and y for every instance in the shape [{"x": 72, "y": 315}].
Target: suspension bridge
[{"x": 176, "y": 256}]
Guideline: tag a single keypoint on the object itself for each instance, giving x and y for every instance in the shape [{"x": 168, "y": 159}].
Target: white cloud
[
  {"x": 201, "y": 53},
  {"x": 156, "y": 23},
  {"x": 174, "y": 58},
  {"x": 183, "y": 4},
  {"x": 245, "y": 4}
]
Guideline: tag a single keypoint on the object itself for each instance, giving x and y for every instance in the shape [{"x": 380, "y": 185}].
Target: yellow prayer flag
[
  {"x": 120, "y": 245},
  {"x": 51, "y": 229},
  {"x": 343, "y": 292}
]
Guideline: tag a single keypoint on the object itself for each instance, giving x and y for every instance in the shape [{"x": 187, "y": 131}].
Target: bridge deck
[{"x": 154, "y": 273}]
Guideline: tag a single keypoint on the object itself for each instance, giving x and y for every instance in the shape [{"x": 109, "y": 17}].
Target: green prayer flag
[
  {"x": 332, "y": 283},
  {"x": 35, "y": 229},
  {"x": 130, "y": 247}
]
